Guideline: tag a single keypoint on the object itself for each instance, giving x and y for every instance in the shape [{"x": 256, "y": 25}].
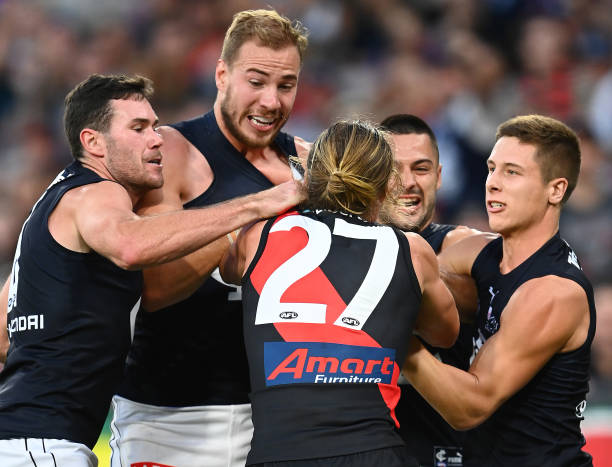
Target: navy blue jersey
[
  {"x": 207, "y": 362},
  {"x": 329, "y": 305},
  {"x": 69, "y": 328},
  {"x": 539, "y": 425},
  {"x": 425, "y": 432}
]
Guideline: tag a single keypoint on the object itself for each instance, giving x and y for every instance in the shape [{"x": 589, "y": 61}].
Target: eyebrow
[
  {"x": 289, "y": 76},
  {"x": 423, "y": 161},
  {"x": 506, "y": 164},
  {"x": 145, "y": 121}
]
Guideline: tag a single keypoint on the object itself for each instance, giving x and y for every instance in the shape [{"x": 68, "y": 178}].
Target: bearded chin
[{"x": 239, "y": 135}]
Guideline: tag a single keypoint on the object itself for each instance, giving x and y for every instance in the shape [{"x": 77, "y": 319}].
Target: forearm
[
  {"x": 172, "y": 282},
  {"x": 4, "y": 340},
  {"x": 165, "y": 237},
  {"x": 454, "y": 393}
]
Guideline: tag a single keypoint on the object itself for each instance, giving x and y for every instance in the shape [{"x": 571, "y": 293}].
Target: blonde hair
[
  {"x": 349, "y": 168},
  {"x": 269, "y": 28},
  {"x": 557, "y": 148}
]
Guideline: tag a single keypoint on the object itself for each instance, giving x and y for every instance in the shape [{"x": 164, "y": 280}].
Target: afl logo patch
[
  {"x": 288, "y": 315},
  {"x": 350, "y": 321}
]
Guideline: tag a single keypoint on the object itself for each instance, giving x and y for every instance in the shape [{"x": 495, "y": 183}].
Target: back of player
[
  {"x": 539, "y": 425},
  {"x": 58, "y": 365},
  {"x": 329, "y": 302}
]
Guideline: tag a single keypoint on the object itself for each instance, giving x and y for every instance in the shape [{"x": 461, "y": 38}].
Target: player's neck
[{"x": 521, "y": 244}]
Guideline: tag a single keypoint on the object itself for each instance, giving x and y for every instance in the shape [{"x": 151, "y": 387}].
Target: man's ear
[
  {"x": 557, "y": 189},
  {"x": 93, "y": 142},
  {"x": 221, "y": 72},
  {"x": 439, "y": 183}
]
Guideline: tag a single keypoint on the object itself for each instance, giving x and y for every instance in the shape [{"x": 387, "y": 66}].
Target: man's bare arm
[
  {"x": 456, "y": 260},
  {"x": 545, "y": 316},
  {"x": 240, "y": 254},
  {"x": 437, "y": 321},
  {"x": 104, "y": 220},
  {"x": 4, "y": 340}
]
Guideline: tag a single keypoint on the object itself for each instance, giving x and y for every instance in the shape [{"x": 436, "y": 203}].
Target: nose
[
  {"x": 269, "y": 98},
  {"x": 408, "y": 179},
  {"x": 492, "y": 182},
  {"x": 156, "y": 139}
]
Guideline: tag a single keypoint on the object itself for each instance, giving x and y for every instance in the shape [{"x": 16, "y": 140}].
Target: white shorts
[
  {"x": 45, "y": 452},
  {"x": 211, "y": 436}
]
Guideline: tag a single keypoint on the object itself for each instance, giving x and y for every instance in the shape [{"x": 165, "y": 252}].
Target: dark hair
[
  {"x": 407, "y": 124},
  {"x": 88, "y": 104},
  {"x": 268, "y": 27},
  {"x": 349, "y": 167},
  {"x": 557, "y": 147}
]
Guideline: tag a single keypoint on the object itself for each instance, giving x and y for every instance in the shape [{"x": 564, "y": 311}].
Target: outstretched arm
[
  {"x": 545, "y": 316},
  {"x": 106, "y": 223}
]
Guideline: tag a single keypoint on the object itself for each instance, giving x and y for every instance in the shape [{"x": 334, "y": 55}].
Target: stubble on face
[
  {"x": 393, "y": 213},
  {"x": 126, "y": 168},
  {"x": 231, "y": 119}
]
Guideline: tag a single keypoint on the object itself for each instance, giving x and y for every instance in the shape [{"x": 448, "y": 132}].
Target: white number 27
[{"x": 271, "y": 310}]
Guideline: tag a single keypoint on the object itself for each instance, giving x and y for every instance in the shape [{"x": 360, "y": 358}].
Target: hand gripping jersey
[
  {"x": 329, "y": 305},
  {"x": 540, "y": 425},
  {"x": 69, "y": 327},
  {"x": 425, "y": 432},
  {"x": 192, "y": 353}
]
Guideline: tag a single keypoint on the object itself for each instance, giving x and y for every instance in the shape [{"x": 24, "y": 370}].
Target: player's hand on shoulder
[{"x": 280, "y": 198}]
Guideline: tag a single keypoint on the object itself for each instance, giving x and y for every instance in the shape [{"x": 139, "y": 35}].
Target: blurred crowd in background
[{"x": 462, "y": 65}]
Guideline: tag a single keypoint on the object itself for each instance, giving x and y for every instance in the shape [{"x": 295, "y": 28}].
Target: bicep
[
  {"x": 535, "y": 325},
  {"x": 98, "y": 214}
]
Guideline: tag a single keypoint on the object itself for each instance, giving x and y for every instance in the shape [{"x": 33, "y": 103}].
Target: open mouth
[
  {"x": 262, "y": 123},
  {"x": 409, "y": 202}
]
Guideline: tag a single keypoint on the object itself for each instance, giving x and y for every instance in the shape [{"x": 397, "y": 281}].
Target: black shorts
[{"x": 397, "y": 456}]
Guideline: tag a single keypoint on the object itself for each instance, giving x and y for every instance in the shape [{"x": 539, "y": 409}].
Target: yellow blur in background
[{"x": 102, "y": 449}]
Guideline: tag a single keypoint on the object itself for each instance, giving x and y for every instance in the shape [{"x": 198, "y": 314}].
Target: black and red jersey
[{"x": 329, "y": 305}]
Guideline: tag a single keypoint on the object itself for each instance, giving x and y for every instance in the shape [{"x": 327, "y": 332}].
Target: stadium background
[{"x": 462, "y": 65}]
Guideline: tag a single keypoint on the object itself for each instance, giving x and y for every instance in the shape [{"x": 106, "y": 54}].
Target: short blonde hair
[
  {"x": 349, "y": 168},
  {"x": 268, "y": 28}
]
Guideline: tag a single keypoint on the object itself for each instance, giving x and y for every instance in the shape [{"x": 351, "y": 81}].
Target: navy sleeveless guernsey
[
  {"x": 329, "y": 305},
  {"x": 426, "y": 434},
  {"x": 192, "y": 353},
  {"x": 539, "y": 425},
  {"x": 69, "y": 328}
]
